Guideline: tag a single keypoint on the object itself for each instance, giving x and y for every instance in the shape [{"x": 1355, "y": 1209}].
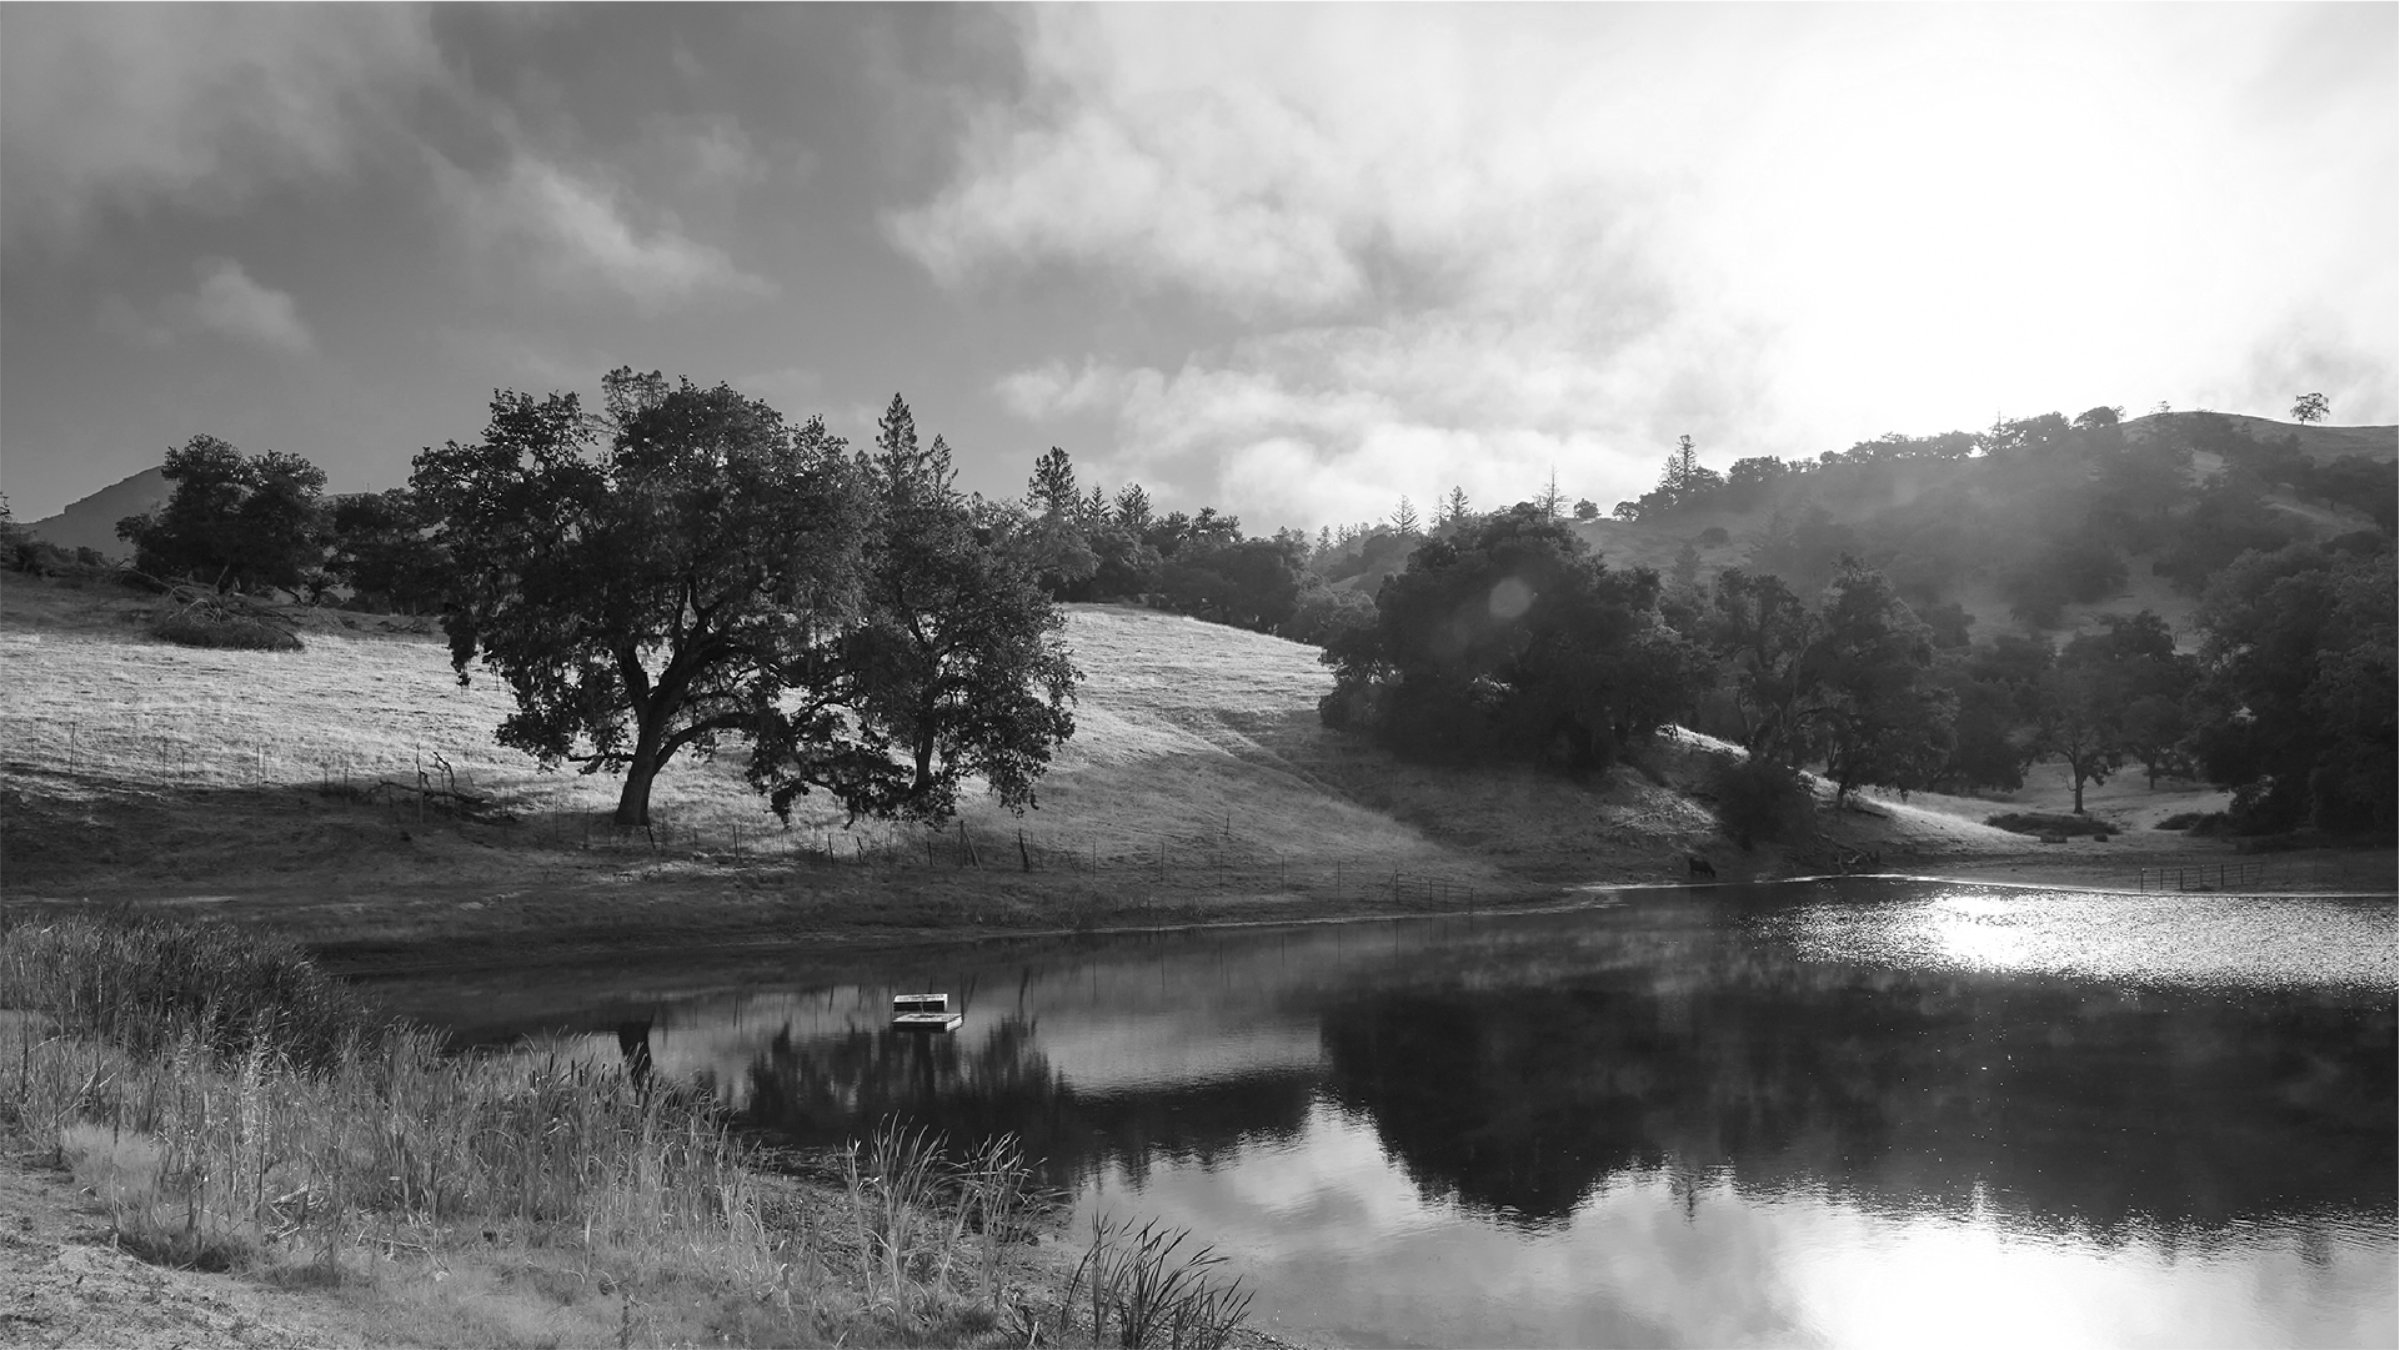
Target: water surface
[{"x": 1853, "y": 1114}]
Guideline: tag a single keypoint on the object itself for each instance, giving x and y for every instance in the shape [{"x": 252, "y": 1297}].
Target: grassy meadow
[
  {"x": 286, "y": 787},
  {"x": 303, "y": 790}
]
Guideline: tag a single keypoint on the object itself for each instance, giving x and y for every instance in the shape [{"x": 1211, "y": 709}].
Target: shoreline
[{"x": 672, "y": 922}]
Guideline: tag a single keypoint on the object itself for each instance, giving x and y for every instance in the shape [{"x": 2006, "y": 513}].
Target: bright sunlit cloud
[
  {"x": 1290, "y": 261},
  {"x": 1460, "y": 250}
]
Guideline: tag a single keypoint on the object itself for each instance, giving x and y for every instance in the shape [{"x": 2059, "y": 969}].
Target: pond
[{"x": 1865, "y": 1113}]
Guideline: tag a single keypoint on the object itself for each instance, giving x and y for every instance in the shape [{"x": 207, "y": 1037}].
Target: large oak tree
[{"x": 687, "y": 566}]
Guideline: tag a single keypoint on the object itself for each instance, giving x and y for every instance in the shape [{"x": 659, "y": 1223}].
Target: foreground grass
[{"x": 234, "y": 1108}]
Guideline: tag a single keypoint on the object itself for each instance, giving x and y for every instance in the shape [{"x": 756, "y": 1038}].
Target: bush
[
  {"x": 1761, "y": 802},
  {"x": 2038, "y": 823},
  {"x": 2198, "y": 822},
  {"x": 257, "y": 635}
]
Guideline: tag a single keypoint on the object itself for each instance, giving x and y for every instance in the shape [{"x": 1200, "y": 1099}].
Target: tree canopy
[
  {"x": 1509, "y": 641},
  {"x": 687, "y": 565},
  {"x": 235, "y": 521},
  {"x": 2297, "y": 673}
]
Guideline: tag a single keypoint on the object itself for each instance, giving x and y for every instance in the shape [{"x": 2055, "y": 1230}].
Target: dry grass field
[{"x": 284, "y": 788}]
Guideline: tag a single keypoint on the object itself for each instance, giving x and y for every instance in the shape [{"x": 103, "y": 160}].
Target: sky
[{"x": 1290, "y": 261}]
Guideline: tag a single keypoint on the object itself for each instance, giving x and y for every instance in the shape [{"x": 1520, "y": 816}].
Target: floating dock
[{"x": 924, "y": 1012}]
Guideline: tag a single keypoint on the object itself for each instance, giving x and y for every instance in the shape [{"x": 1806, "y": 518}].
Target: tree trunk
[
  {"x": 2078, "y": 775},
  {"x": 633, "y": 804}
]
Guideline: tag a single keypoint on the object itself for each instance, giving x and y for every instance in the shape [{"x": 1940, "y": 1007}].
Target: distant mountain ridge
[{"x": 91, "y": 522}]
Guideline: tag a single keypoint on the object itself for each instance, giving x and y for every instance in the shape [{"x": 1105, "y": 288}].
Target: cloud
[
  {"x": 231, "y": 304},
  {"x": 201, "y": 108},
  {"x": 1305, "y": 425},
  {"x": 1337, "y": 424},
  {"x": 227, "y": 303},
  {"x": 1436, "y": 245},
  {"x": 198, "y": 105},
  {"x": 577, "y": 234}
]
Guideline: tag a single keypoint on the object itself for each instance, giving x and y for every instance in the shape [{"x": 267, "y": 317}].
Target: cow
[{"x": 1699, "y": 867}]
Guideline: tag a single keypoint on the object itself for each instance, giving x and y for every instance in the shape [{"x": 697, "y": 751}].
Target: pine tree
[
  {"x": 1133, "y": 507},
  {"x": 1051, "y": 491},
  {"x": 1550, "y": 498},
  {"x": 1404, "y": 517}
]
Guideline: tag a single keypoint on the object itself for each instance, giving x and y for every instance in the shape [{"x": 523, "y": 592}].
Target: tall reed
[
  {"x": 282, "y": 1115},
  {"x": 232, "y": 1105},
  {"x": 926, "y": 1229},
  {"x": 1153, "y": 1290}
]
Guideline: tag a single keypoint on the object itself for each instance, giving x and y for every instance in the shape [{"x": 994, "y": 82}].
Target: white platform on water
[{"x": 924, "y": 1012}]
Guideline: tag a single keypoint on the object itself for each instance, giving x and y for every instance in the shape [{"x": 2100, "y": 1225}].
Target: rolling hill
[
  {"x": 283, "y": 788},
  {"x": 91, "y": 522},
  {"x": 1888, "y": 511}
]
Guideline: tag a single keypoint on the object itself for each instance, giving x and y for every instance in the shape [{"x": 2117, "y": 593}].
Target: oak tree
[
  {"x": 233, "y": 520},
  {"x": 649, "y": 580}
]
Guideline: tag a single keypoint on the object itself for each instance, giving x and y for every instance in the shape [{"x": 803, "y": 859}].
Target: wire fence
[
  {"x": 1222, "y": 861},
  {"x": 410, "y": 784},
  {"x": 2310, "y": 871},
  {"x": 415, "y": 783}
]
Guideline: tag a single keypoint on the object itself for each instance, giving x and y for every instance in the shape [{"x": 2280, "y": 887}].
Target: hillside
[
  {"x": 2319, "y": 443},
  {"x": 1949, "y": 529},
  {"x": 91, "y": 522},
  {"x": 282, "y": 788}
]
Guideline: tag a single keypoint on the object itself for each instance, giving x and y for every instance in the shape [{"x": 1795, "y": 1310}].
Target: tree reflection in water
[
  {"x": 972, "y": 1086},
  {"x": 2093, "y": 1108},
  {"x": 1514, "y": 1069}
]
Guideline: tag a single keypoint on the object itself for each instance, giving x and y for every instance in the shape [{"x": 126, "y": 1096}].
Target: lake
[{"x": 1855, "y": 1113}]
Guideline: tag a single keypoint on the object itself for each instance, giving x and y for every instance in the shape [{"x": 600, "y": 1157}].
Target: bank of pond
[{"x": 1854, "y": 1111}]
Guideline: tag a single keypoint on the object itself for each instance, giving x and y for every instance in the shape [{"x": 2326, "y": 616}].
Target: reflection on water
[{"x": 1872, "y": 1114}]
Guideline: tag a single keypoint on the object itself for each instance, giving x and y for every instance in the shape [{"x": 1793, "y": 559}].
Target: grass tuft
[{"x": 1152, "y": 1290}]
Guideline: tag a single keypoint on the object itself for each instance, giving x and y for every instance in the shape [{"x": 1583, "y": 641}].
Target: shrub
[
  {"x": 1759, "y": 801},
  {"x": 248, "y": 634},
  {"x": 2039, "y": 823}
]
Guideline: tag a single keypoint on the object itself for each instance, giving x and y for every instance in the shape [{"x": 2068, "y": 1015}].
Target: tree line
[
  {"x": 1508, "y": 641},
  {"x": 683, "y": 565},
  {"x": 676, "y": 568},
  {"x": 2051, "y": 512}
]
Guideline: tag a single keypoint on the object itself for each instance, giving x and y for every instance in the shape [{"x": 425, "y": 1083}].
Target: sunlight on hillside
[{"x": 1184, "y": 746}]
